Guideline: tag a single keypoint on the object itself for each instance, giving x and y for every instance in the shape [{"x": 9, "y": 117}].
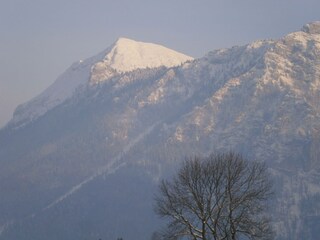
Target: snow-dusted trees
[{"x": 217, "y": 197}]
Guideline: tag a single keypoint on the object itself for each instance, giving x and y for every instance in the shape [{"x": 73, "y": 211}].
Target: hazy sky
[{"x": 42, "y": 38}]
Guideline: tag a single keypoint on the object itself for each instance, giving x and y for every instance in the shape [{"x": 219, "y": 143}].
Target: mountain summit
[
  {"x": 124, "y": 55},
  {"x": 127, "y": 55}
]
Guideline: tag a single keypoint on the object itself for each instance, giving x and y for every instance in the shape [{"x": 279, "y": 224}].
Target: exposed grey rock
[{"x": 312, "y": 28}]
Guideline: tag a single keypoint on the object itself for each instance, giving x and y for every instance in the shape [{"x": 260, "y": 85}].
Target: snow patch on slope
[{"x": 63, "y": 88}]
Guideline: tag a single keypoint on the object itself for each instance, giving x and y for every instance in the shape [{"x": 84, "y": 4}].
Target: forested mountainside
[{"x": 86, "y": 165}]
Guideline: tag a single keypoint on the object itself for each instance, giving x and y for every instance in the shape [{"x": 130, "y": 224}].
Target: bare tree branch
[{"x": 218, "y": 197}]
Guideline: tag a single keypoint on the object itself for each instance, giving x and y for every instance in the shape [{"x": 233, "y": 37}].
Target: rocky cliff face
[{"x": 99, "y": 153}]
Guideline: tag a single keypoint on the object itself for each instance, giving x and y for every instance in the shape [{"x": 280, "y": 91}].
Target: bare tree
[{"x": 217, "y": 197}]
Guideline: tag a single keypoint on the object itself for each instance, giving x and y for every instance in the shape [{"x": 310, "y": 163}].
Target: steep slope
[
  {"x": 106, "y": 147},
  {"x": 123, "y": 56}
]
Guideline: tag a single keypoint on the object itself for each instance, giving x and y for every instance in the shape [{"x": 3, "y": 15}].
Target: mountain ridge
[
  {"x": 124, "y": 55},
  {"x": 260, "y": 99}
]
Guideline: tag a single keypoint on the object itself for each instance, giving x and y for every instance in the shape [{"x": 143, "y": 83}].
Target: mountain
[
  {"x": 86, "y": 165},
  {"x": 123, "y": 56}
]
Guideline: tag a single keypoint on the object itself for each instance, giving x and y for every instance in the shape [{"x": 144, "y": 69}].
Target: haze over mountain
[{"x": 83, "y": 159}]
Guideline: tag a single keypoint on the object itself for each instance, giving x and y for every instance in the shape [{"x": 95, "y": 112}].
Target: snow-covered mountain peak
[
  {"x": 123, "y": 56},
  {"x": 126, "y": 55}
]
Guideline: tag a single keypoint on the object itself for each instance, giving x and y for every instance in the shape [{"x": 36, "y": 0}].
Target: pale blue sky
[{"x": 41, "y": 38}]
